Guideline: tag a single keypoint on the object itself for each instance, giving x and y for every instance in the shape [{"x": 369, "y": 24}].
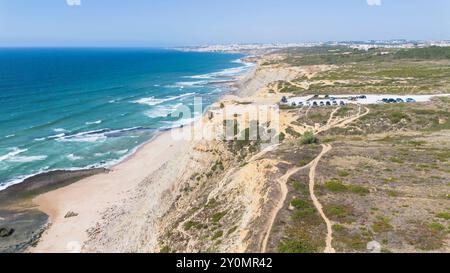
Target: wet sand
[{"x": 20, "y": 217}]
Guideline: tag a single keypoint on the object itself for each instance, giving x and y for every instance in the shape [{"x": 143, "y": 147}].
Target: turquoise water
[{"x": 83, "y": 108}]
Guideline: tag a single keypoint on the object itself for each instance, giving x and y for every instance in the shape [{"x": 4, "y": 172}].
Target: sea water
[{"x": 65, "y": 109}]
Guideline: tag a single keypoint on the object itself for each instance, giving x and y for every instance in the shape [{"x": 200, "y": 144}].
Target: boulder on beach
[
  {"x": 71, "y": 214},
  {"x": 6, "y": 232}
]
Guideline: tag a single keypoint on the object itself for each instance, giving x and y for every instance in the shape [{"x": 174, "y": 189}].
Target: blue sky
[{"x": 191, "y": 22}]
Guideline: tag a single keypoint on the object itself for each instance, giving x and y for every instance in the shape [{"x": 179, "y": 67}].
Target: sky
[{"x": 197, "y": 22}]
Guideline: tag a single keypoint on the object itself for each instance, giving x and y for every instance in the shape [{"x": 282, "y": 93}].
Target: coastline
[
  {"x": 30, "y": 154},
  {"x": 53, "y": 204},
  {"x": 97, "y": 213}
]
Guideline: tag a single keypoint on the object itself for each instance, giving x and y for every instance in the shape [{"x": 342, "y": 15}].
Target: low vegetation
[{"x": 309, "y": 138}]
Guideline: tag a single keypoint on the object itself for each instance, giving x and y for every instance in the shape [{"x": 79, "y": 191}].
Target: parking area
[{"x": 342, "y": 100}]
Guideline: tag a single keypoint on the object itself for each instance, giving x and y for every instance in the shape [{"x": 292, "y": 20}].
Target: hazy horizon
[{"x": 170, "y": 23}]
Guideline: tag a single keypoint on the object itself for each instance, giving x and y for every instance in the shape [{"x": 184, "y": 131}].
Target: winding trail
[
  {"x": 283, "y": 181},
  {"x": 312, "y": 174},
  {"x": 331, "y": 123}
]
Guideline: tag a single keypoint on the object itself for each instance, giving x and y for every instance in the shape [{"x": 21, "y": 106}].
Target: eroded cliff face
[
  {"x": 223, "y": 206},
  {"x": 229, "y": 203}
]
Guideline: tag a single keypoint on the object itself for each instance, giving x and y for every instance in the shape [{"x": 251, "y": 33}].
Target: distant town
[{"x": 360, "y": 45}]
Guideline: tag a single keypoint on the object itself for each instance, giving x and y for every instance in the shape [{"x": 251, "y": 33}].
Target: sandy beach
[
  {"x": 157, "y": 168},
  {"x": 91, "y": 196}
]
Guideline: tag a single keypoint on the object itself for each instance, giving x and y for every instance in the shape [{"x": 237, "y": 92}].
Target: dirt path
[
  {"x": 341, "y": 122},
  {"x": 330, "y": 120},
  {"x": 283, "y": 181},
  {"x": 312, "y": 174},
  {"x": 331, "y": 123}
]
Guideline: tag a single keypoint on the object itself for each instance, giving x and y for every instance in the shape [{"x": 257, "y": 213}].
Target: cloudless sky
[{"x": 193, "y": 22}]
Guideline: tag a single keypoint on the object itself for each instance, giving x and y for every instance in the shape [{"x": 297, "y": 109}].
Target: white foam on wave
[
  {"x": 226, "y": 73},
  {"x": 15, "y": 156},
  {"x": 108, "y": 164},
  {"x": 83, "y": 138},
  {"x": 189, "y": 84},
  {"x": 28, "y": 159},
  {"x": 94, "y": 135},
  {"x": 73, "y": 157},
  {"x": 162, "y": 111},
  {"x": 122, "y": 152},
  {"x": 10, "y": 136},
  {"x": 94, "y": 122},
  {"x": 152, "y": 101},
  {"x": 13, "y": 152},
  {"x": 101, "y": 154},
  {"x": 56, "y": 136},
  {"x": 59, "y": 130}
]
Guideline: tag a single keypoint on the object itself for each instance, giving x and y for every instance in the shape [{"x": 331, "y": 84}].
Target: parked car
[
  {"x": 315, "y": 104},
  {"x": 363, "y": 97},
  {"x": 284, "y": 100},
  {"x": 300, "y": 104},
  {"x": 322, "y": 103},
  {"x": 328, "y": 103},
  {"x": 385, "y": 100},
  {"x": 294, "y": 104},
  {"x": 335, "y": 103},
  {"x": 399, "y": 100},
  {"x": 342, "y": 103},
  {"x": 392, "y": 101},
  {"x": 410, "y": 100}
]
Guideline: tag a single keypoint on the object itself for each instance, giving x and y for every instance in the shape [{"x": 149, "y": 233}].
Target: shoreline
[
  {"x": 90, "y": 196},
  {"x": 96, "y": 213},
  {"x": 229, "y": 85},
  {"x": 56, "y": 203}
]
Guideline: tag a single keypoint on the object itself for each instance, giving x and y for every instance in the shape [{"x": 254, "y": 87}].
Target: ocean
[{"x": 69, "y": 109}]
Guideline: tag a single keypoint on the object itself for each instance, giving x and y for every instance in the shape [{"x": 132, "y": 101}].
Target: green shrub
[
  {"x": 217, "y": 235},
  {"x": 383, "y": 224},
  {"x": 444, "y": 215},
  {"x": 299, "y": 204},
  {"x": 397, "y": 160},
  {"x": 188, "y": 225},
  {"x": 436, "y": 227},
  {"x": 343, "y": 173},
  {"x": 304, "y": 213},
  {"x": 211, "y": 203},
  {"x": 303, "y": 162},
  {"x": 338, "y": 228},
  {"x": 337, "y": 211},
  {"x": 309, "y": 138},
  {"x": 397, "y": 116},
  {"x": 218, "y": 216},
  {"x": 165, "y": 249},
  {"x": 335, "y": 185},
  {"x": 393, "y": 193},
  {"x": 296, "y": 246},
  {"x": 359, "y": 189}
]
